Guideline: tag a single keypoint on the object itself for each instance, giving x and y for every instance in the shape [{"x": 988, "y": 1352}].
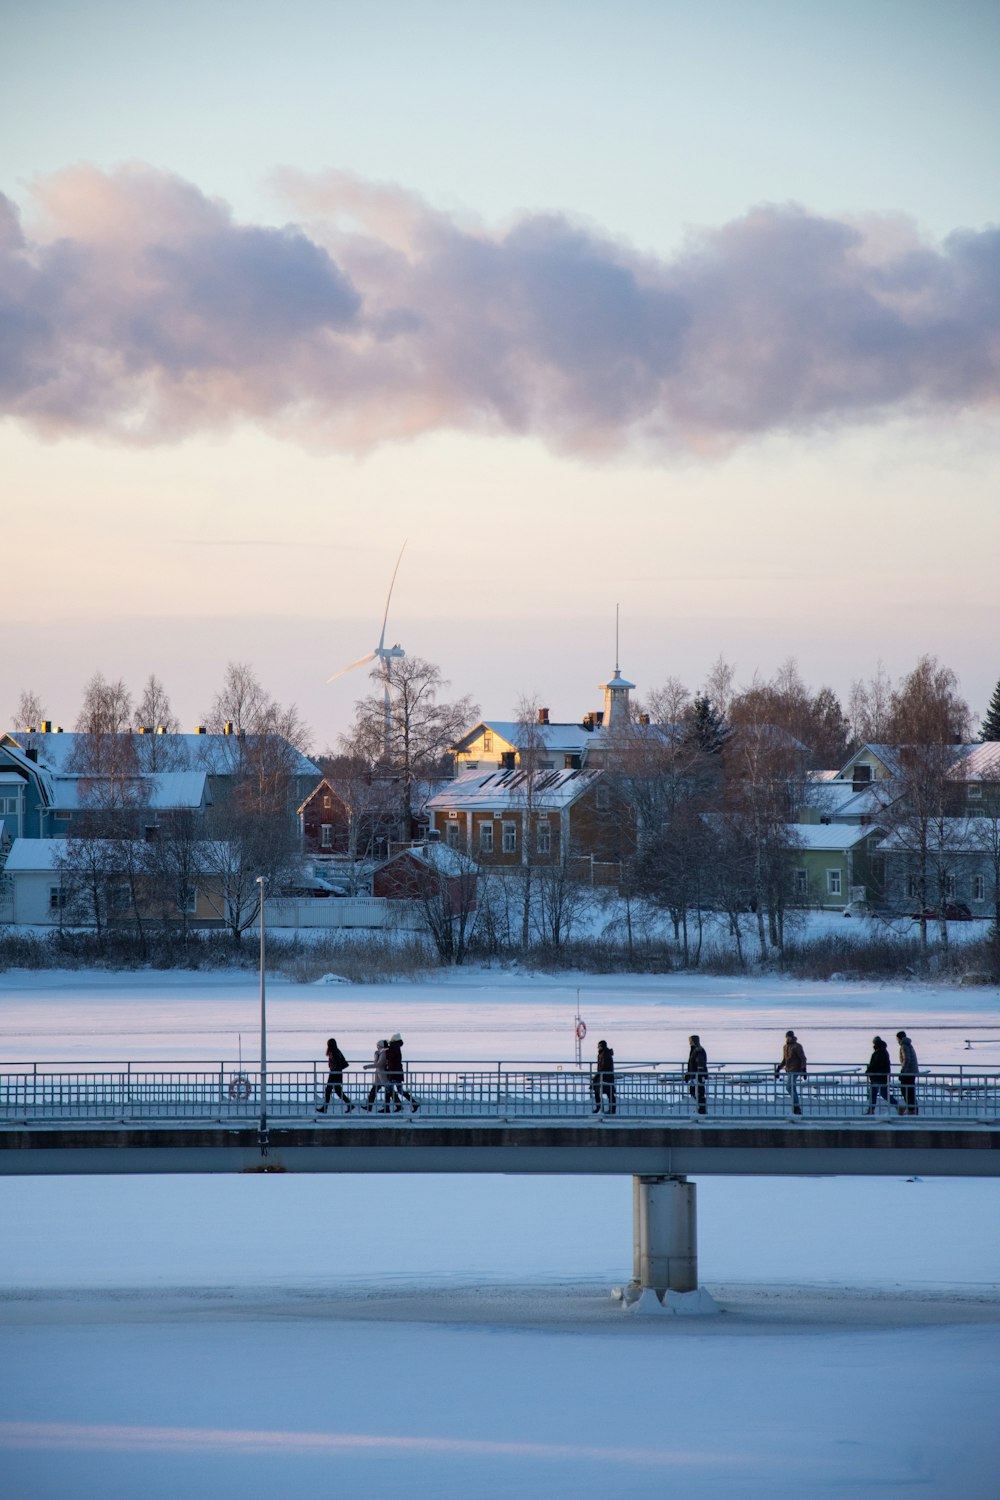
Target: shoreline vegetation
[{"x": 381, "y": 957}]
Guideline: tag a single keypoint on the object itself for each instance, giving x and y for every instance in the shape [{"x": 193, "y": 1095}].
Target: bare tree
[
  {"x": 869, "y": 709},
  {"x": 105, "y": 748},
  {"x": 29, "y": 712},
  {"x": 421, "y": 729}
]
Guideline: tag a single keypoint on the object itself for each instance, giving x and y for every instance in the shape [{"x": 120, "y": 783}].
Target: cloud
[{"x": 136, "y": 307}]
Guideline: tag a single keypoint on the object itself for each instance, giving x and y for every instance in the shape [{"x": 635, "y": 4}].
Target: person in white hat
[{"x": 394, "y": 1059}]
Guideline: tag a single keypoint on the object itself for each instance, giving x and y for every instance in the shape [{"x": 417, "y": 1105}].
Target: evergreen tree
[
  {"x": 705, "y": 729},
  {"x": 991, "y": 722}
]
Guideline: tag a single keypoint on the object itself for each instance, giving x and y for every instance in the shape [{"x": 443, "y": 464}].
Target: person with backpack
[
  {"x": 336, "y": 1062},
  {"x": 603, "y": 1081},
  {"x": 696, "y": 1072},
  {"x": 908, "y": 1070},
  {"x": 793, "y": 1064},
  {"x": 878, "y": 1070}
]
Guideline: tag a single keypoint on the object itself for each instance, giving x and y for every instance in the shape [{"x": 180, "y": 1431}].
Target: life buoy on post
[
  {"x": 239, "y": 1088},
  {"x": 581, "y": 1030}
]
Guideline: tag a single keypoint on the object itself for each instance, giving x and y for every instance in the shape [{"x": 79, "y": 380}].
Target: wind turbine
[{"x": 384, "y": 655}]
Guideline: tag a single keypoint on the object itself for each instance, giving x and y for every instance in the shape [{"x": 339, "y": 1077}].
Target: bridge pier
[{"x": 665, "y": 1235}]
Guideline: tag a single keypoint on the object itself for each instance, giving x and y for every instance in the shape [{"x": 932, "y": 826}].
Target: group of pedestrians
[
  {"x": 387, "y": 1066},
  {"x": 793, "y": 1064},
  {"x": 389, "y": 1079}
]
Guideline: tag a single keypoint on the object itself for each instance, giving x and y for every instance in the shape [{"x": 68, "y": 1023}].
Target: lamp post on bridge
[{"x": 262, "y": 1130}]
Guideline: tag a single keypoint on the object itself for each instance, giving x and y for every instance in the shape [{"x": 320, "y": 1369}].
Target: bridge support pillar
[{"x": 665, "y": 1235}]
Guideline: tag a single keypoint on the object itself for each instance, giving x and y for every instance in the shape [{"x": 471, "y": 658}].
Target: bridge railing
[{"x": 227, "y": 1093}]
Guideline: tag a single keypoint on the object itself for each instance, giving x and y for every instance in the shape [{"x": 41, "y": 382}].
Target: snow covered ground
[{"x": 292, "y": 1335}]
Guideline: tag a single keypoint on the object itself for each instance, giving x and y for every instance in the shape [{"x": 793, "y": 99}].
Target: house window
[
  {"x": 602, "y": 798},
  {"x": 487, "y": 741},
  {"x": 57, "y": 898},
  {"x": 327, "y": 802},
  {"x": 187, "y": 900},
  {"x": 861, "y": 777},
  {"x": 9, "y": 805},
  {"x": 509, "y": 838},
  {"x": 911, "y": 888},
  {"x": 801, "y": 882},
  {"x": 974, "y": 791},
  {"x": 453, "y": 834},
  {"x": 979, "y": 887},
  {"x": 119, "y": 899},
  {"x": 486, "y": 838},
  {"x": 326, "y": 835},
  {"x": 833, "y": 882},
  {"x": 544, "y": 840},
  {"x": 949, "y": 887}
]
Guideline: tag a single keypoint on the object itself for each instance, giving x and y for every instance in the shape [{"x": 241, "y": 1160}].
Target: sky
[{"x": 688, "y": 311}]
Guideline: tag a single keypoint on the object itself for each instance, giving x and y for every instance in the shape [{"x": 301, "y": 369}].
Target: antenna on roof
[{"x": 617, "y": 607}]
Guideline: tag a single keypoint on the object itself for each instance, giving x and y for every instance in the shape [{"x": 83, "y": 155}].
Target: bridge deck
[{"x": 605, "y": 1147}]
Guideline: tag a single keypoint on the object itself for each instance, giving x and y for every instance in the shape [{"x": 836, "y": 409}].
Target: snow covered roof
[
  {"x": 978, "y": 762},
  {"x": 832, "y": 836},
  {"x": 437, "y": 857},
  {"x": 161, "y": 791},
  {"x": 33, "y": 855},
  {"x": 508, "y": 789},
  {"x": 214, "y": 753}
]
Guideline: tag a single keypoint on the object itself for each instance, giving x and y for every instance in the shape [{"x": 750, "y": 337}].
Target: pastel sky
[{"x": 692, "y": 309}]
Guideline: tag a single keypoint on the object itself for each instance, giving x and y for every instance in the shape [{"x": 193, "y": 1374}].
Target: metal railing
[{"x": 228, "y": 1093}]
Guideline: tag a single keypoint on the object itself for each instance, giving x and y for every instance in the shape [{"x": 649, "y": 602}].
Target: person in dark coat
[
  {"x": 696, "y": 1072},
  {"x": 337, "y": 1062},
  {"x": 878, "y": 1070},
  {"x": 394, "y": 1059},
  {"x": 908, "y": 1070},
  {"x": 603, "y": 1081}
]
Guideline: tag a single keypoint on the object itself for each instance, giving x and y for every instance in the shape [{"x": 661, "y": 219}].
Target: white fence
[{"x": 344, "y": 911}]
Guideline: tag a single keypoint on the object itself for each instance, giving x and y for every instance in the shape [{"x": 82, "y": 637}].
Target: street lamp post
[{"x": 262, "y": 1133}]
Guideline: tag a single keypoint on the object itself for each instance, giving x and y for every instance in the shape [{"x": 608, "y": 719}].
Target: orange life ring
[
  {"x": 581, "y": 1030},
  {"x": 239, "y": 1088}
]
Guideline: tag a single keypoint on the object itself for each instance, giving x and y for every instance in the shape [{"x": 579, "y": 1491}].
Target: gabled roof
[
  {"x": 508, "y": 790},
  {"x": 565, "y": 738},
  {"x": 214, "y": 753},
  {"x": 978, "y": 763},
  {"x": 831, "y": 836},
  {"x": 13, "y": 752},
  {"x": 161, "y": 791},
  {"x": 29, "y": 856},
  {"x": 436, "y": 856}
]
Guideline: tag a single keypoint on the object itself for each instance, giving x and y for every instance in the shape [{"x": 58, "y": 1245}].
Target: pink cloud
[{"x": 139, "y": 308}]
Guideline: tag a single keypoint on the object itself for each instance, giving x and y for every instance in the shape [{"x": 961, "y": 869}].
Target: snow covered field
[{"x": 281, "y": 1335}]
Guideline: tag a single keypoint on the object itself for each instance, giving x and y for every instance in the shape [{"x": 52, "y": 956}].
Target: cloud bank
[{"x": 137, "y": 308}]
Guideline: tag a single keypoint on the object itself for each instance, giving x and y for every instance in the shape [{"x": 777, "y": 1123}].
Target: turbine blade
[
  {"x": 361, "y": 662},
  {"x": 388, "y": 597}
]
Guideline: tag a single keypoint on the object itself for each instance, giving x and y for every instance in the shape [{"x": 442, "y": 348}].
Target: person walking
[
  {"x": 878, "y": 1070},
  {"x": 603, "y": 1081},
  {"x": 696, "y": 1072},
  {"x": 380, "y": 1064},
  {"x": 336, "y": 1062},
  {"x": 394, "y": 1061},
  {"x": 793, "y": 1064},
  {"x": 908, "y": 1070}
]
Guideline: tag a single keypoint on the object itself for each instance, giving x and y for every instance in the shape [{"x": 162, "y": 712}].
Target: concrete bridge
[{"x": 517, "y": 1121}]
